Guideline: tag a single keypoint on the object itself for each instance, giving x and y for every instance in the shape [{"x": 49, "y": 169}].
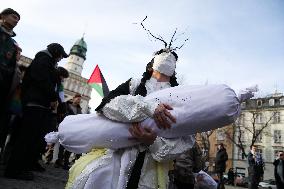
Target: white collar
[{"x": 153, "y": 85}]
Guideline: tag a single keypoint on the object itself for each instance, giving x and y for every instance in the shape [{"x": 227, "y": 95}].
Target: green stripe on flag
[{"x": 98, "y": 88}]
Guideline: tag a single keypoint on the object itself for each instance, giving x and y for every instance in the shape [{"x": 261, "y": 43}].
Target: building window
[
  {"x": 277, "y": 136},
  {"x": 258, "y": 133},
  {"x": 259, "y": 103},
  {"x": 259, "y": 118},
  {"x": 271, "y": 102},
  {"x": 276, "y": 117},
  {"x": 220, "y": 134},
  {"x": 241, "y": 135},
  {"x": 241, "y": 155},
  {"x": 281, "y": 101},
  {"x": 241, "y": 120},
  {"x": 204, "y": 152}
]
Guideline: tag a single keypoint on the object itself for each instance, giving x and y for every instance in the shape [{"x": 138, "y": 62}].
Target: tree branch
[
  {"x": 181, "y": 45},
  {"x": 149, "y": 32},
  {"x": 172, "y": 38}
]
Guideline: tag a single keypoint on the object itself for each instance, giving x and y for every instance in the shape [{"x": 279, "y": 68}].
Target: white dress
[{"x": 112, "y": 170}]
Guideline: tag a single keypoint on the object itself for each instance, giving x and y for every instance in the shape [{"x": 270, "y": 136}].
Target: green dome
[{"x": 79, "y": 48}]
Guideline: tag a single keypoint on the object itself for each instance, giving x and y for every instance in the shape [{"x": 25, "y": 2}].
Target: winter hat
[{"x": 56, "y": 50}]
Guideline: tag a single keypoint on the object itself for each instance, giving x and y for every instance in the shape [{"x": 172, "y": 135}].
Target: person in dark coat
[
  {"x": 73, "y": 106},
  {"x": 220, "y": 164},
  {"x": 61, "y": 109},
  {"x": 279, "y": 170},
  {"x": 9, "y": 19},
  {"x": 39, "y": 98},
  {"x": 11, "y": 104},
  {"x": 185, "y": 166},
  {"x": 231, "y": 176},
  {"x": 255, "y": 169}
]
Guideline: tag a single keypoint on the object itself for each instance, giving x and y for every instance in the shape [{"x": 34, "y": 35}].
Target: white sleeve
[
  {"x": 128, "y": 108},
  {"x": 169, "y": 149}
]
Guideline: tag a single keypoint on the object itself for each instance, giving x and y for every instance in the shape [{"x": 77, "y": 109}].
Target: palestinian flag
[{"x": 97, "y": 81}]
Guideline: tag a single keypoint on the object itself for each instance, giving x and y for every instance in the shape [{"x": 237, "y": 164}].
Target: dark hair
[
  {"x": 77, "y": 95},
  {"x": 221, "y": 144},
  {"x": 149, "y": 70},
  {"x": 62, "y": 72},
  {"x": 252, "y": 146},
  {"x": 8, "y": 11}
]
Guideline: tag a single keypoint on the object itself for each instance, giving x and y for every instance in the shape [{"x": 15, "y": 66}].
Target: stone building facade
[{"x": 261, "y": 113}]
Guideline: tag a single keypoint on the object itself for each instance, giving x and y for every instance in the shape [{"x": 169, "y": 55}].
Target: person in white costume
[
  {"x": 138, "y": 166},
  {"x": 143, "y": 162}
]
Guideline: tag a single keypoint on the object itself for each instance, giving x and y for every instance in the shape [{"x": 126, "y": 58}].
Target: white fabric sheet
[{"x": 196, "y": 108}]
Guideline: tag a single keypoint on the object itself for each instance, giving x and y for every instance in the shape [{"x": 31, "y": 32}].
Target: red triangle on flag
[{"x": 96, "y": 76}]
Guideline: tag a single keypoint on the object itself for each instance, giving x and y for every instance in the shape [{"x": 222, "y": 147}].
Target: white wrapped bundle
[{"x": 196, "y": 109}]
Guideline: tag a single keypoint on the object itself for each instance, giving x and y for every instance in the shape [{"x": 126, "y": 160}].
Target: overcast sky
[{"x": 239, "y": 43}]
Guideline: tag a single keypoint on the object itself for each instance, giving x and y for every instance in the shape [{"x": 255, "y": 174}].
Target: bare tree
[
  {"x": 255, "y": 128},
  {"x": 205, "y": 143}
]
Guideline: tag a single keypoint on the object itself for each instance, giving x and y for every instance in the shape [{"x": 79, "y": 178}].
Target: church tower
[
  {"x": 75, "y": 83},
  {"x": 77, "y": 57}
]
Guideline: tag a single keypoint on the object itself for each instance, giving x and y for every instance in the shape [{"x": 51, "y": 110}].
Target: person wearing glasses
[{"x": 279, "y": 170}]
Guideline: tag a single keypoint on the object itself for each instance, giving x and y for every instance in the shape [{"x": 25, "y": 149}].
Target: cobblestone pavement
[{"x": 52, "y": 178}]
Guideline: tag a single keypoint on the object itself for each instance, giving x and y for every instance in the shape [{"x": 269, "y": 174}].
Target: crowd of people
[
  {"x": 33, "y": 102},
  {"x": 255, "y": 169}
]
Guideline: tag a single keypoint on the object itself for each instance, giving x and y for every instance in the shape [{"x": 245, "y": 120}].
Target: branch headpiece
[{"x": 167, "y": 46}]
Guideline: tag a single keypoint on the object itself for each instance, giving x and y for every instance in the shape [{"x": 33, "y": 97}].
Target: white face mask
[{"x": 165, "y": 63}]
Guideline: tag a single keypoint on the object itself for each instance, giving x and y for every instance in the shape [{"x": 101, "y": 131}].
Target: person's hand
[
  {"x": 161, "y": 115},
  {"x": 144, "y": 135},
  {"x": 54, "y": 105}
]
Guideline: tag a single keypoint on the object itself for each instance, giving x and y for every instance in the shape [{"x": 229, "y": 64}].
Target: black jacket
[
  {"x": 277, "y": 177},
  {"x": 39, "y": 81},
  {"x": 8, "y": 53},
  {"x": 255, "y": 169},
  {"x": 69, "y": 109},
  {"x": 220, "y": 161},
  {"x": 187, "y": 164}
]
